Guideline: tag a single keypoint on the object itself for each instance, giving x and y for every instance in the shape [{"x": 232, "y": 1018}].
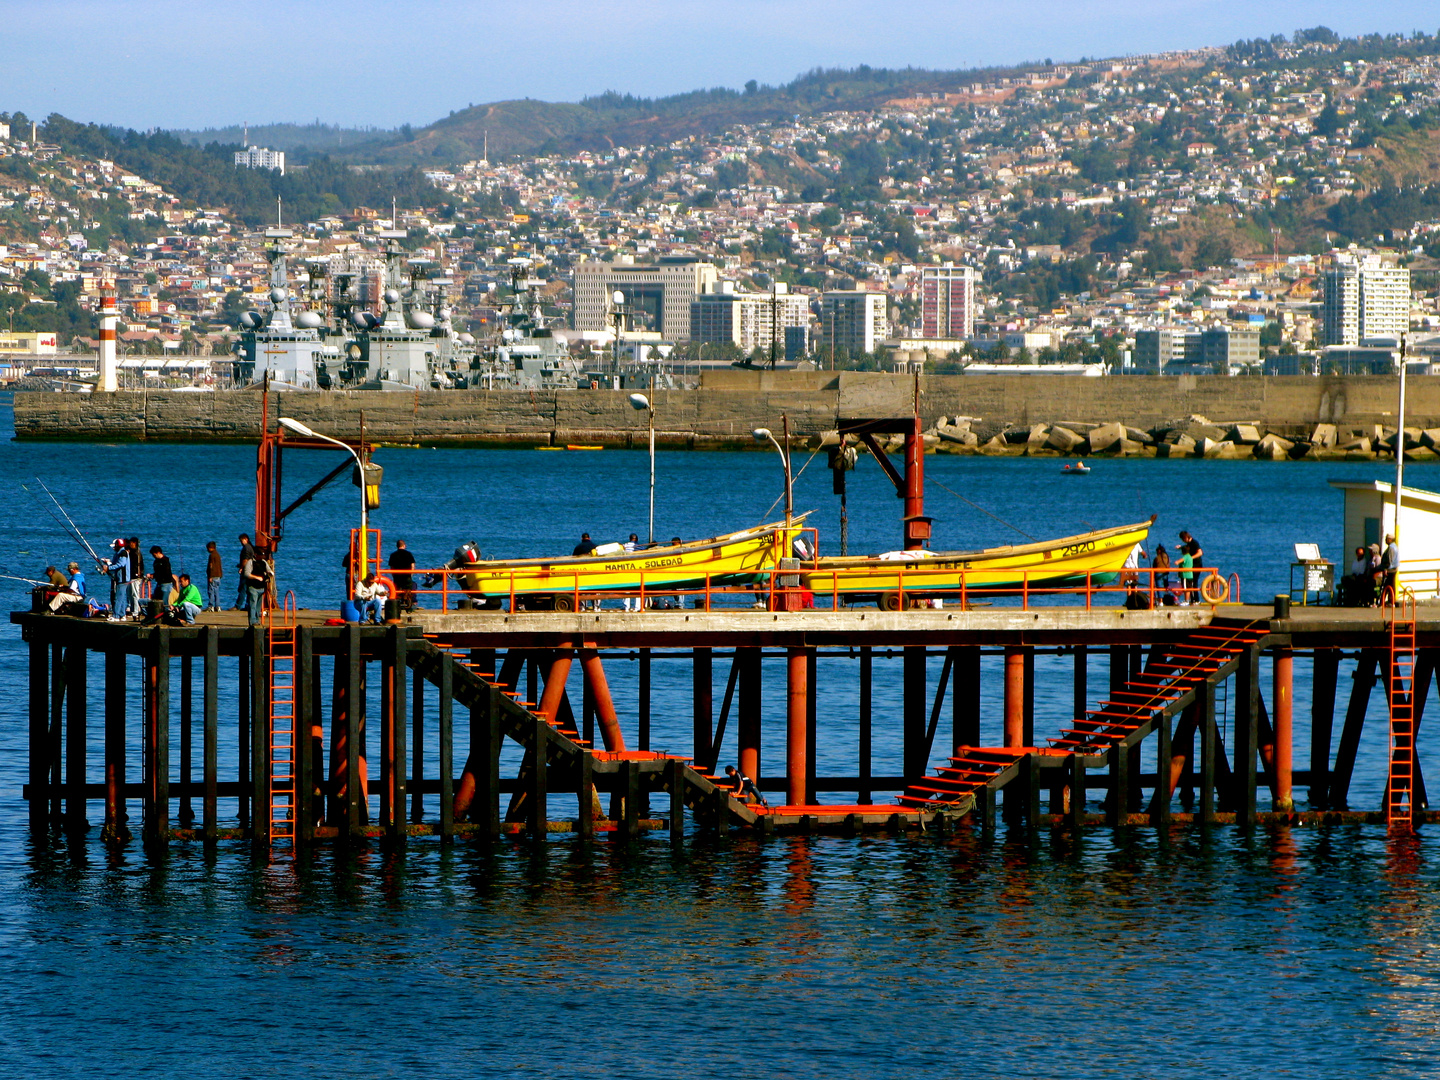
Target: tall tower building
[
  {"x": 947, "y": 301},
  {"x": 1365, "y": 299}
]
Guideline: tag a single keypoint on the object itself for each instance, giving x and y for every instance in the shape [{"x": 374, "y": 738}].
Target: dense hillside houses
[{"x": 1174, "y": 213}]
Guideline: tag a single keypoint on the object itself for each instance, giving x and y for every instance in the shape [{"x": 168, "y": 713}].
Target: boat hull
[
  {"x": 1095, "y": 558},
  {"x": 734, "y": 559}
]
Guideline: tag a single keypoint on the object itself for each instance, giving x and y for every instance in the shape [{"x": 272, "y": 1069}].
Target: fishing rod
[
  {"x": 7, "y": 576},
  {"x": 64, "y": 521}
]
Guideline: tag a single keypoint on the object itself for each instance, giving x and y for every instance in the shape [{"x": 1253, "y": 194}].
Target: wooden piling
[
  {"x": 445, "y": 763},
  {"x": 703, "y": 703},
  {"x": 116, "y": 828},
  {"x": 186, "y": 815},
  {"x": 75, "y": 739},
  {"x": 865, "y": 735},
  {"x": 210, "y": 815},
  {"x": 39, "y": 703},
  {"x": 1246, "y": 741},
  {"x": 749, "y": 720}
]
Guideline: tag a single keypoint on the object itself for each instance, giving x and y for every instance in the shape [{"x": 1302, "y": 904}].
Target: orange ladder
[
  {"x": 280, "y": 634},
  {"x": 1400, "y": 617}
]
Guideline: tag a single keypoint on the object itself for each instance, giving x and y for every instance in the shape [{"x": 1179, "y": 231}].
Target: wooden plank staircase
[
  {"x": 281, "y": 782},
  {"x": 701, "y": 793},
  {"x": 1399, "y": 616},
  {"x": 1164, "y": 688}
]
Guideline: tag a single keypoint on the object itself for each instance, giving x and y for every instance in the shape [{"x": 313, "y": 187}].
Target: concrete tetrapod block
[
  {"x": 1244, "y": 434},
  {"x": 1136, "y": 435},
  {"x": 1063, "y": 439},
  {"x": 1106, "y": 438},
  {"x": 1273, "y": 448},
  {"x": 1324, "y": 435},
  {"x": 1430, "y": 437}
]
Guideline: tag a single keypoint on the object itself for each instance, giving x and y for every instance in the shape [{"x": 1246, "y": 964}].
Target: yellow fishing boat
[
  {"x": 559, "y": 583},
  {"x": 895, "y": 579}
]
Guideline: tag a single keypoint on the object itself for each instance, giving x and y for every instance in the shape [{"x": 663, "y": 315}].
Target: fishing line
[{"x": 987, "y": 513}]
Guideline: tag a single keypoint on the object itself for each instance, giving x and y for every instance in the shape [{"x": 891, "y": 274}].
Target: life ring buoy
[{"x": 1214, "y": 589}]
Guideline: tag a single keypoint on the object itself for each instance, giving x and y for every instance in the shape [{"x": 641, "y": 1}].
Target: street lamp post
[
  {"x": 761, "y": 434},
  {"x": 300, "y": 429},
  {"x": 638, "y": 402}
]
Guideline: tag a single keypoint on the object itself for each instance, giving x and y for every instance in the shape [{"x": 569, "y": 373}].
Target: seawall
[{"x": 727, "y": 407}]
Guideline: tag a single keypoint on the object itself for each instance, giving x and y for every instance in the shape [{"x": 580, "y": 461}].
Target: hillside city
[{"x": 1272, "y": 206}]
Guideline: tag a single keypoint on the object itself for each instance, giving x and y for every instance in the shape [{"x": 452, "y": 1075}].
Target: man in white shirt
[{"x": 370, "y": 597}]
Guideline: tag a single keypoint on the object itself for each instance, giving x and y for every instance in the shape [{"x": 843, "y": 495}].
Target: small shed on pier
[{"x": 1370, "y": 514}]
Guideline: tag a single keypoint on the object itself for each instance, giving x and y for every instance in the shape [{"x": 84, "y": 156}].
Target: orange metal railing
[{"x": 916, "y": 587}]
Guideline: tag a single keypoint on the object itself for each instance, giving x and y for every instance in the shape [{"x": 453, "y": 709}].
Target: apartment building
[
  {"x": 1365, "y": 298},
  {"x": 947, "y": 301},
  {"x": 852, "y": 321}
]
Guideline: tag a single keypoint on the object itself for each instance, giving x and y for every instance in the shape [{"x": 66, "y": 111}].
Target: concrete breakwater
[{"x": 1351, "y": 415}]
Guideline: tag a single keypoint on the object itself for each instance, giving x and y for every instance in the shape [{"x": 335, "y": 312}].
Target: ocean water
[{"x": 1299, "y": 952}]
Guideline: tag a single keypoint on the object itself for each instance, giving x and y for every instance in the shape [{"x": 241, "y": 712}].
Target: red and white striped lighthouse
[{"x": 108, "y": 314}]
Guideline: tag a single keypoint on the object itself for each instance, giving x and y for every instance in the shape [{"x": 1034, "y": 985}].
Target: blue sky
[{"x": 192, "y": 63}]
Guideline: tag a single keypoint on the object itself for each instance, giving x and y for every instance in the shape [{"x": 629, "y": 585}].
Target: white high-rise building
[
  {"x": 257, "y": 157},
  {"x": 747, "y": 320},
  {"x": 658, "y": 295},
  {"x": 947, "y": 301},
  {"x": 852, "y": 321},
  {"x": 1365, "y": 299}
]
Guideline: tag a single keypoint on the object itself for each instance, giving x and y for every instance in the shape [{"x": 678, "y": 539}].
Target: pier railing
[{"x": 809, "y": 586}]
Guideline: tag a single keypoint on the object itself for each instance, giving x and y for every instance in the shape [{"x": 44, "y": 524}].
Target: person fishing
[
  {"x": 73, "y": 592},
  {"x": 119, "y": 570}
]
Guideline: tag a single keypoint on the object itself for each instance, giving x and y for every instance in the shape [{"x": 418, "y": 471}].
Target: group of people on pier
[
  {"x": 159, "y": 593},
  {"x": 1187, "y": 563},
  {"x": 1371, "y": 574}
]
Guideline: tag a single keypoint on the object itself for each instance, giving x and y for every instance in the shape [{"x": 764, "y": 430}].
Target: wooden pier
[{"x": 301, "y": 774}]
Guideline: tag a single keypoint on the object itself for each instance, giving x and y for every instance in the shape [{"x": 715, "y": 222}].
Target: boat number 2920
[{"x": 1077, "y": 549}]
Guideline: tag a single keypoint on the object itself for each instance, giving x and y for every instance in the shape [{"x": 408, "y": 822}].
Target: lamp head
[
  {"x": 618, "y": 298},
  {"x": 639, "y": 402},
  {"x": 296, "y": 426},
  {"x": 761, "y": 434}
]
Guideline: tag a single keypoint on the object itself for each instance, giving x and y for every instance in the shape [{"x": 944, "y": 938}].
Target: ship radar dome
[
  {"x": 392, "y": 297},
  {"x": 308, "y": 320},
  {"x": 277, "y": 296},
  {"x": 250, "y": 320}
]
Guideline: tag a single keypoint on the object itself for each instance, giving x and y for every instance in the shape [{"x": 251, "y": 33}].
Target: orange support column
[
  {"x": 555, "y": 684},
  {"x": 1284, "y": 671},
  {"x": 605, "y": 713},
  {"x": 796, "y": 715},
  {"x": 1014, "y": 696}
]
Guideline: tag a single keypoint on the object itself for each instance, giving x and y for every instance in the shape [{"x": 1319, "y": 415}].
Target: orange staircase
[
  {"x": 281, "y": 782},
  {"x": 1399, "y": 615},
  {"x": 1165, "y": 687}
]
